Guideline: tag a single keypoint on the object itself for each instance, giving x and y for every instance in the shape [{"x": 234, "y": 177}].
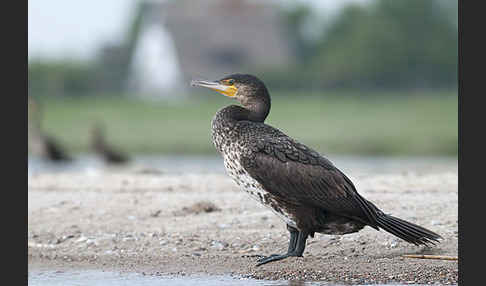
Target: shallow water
[
  {"x": 86, "y": 163},
  {"x": 114, "y": 278},
  {"x": 174, "y": 164},
  {"x": 102, "y": 278}
]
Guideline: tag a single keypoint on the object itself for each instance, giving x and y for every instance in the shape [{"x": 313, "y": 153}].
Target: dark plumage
[
  {"x": 302, "y": 187},
  {"x": 107, "y": 152}
]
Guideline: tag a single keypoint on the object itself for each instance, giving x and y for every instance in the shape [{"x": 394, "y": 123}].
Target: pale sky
[
  {"x": 60, "y": 28},
  {"x": 76, "y": 29}
]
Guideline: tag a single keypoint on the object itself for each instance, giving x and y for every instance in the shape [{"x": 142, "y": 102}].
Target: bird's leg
[
  {"x": 300, "y": 247},
  {"x": 293, "y": 238},
  {"x": 296, "y": 246},
  {"x": 292, "y": 242}
]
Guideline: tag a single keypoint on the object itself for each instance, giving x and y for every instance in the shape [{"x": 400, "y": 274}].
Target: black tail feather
[{"x": 407, "y": 231}]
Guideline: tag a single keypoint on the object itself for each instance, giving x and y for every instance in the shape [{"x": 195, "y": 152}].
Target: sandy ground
[{"x": 153, "y": 224}]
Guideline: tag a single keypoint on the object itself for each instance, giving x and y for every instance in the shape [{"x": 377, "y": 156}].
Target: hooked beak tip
[{"x": 203, "y": 83}]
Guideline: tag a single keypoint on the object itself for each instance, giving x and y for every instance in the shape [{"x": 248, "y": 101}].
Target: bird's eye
[{"x": 229, "y": 81}]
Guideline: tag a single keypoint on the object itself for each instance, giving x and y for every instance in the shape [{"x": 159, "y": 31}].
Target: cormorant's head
[
  {"x": 243, "y": 87},
  {"x": 247, "y": 89}
]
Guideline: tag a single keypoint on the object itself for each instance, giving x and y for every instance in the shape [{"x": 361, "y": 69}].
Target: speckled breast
[
  {"x": 227, "y": 140},
  {"x": 241, "y": 177}
]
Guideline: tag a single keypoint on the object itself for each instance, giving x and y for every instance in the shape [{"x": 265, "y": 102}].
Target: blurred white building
[
  {"x": 155, "y": 68},
  {"x": 183, "y": 39}
]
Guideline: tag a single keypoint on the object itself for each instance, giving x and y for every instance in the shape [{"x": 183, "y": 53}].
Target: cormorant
[
  {"x": 302, "y": 187},
  {"x": 107, "y": 152},
  {"x": 39, "y": 142}
]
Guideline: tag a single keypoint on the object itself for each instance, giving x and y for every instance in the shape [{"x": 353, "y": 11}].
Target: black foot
[
  {"x": 296, "y": 247},
  {"x": 273, "y": 257}
]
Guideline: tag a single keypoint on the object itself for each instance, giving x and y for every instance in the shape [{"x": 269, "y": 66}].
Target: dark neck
[
  {"x": 255, "y": 113},
  {"x": 252, "y": 109},
  {"x": 257, "y": 110}
]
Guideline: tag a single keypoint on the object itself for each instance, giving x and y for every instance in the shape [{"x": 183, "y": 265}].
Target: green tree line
[{"x": 387, "y": 44}]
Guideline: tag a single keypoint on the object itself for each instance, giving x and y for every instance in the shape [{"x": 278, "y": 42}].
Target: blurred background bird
[
  {"x": 105, "y": 151},
  {"x": 40, "y": 143}
]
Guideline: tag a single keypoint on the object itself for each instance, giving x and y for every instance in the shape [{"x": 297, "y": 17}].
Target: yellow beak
[{"x": 227, "y": 90}]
